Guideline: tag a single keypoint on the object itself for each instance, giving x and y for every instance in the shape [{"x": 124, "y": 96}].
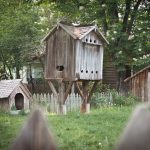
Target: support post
[
  {"x": 85, "y": 95},
  {"x": 92, "y": 90},
  {"x": 61, "y": 90}
]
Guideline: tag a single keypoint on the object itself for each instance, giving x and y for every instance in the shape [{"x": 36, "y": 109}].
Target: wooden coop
[
  {"x": 74, "y": 54},
  {"x": 139, "y": 84},
  {"x": 13, "y": 93}
]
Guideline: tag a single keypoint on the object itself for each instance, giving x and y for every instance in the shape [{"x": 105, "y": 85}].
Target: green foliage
[
  {"x": 19, "y": 35},
  {"x": 112, "y": 98},
  {"x": 124, "y": 23},
  {"x": 121, "y": 100}
]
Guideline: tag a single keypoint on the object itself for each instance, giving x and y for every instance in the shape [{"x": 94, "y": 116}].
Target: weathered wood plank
[
  {"x": 92, "y": 90},
  {"x": 53, "y": 88},
  {"x": 68, "y": 90},
  {"x": 79, "y": 90}
]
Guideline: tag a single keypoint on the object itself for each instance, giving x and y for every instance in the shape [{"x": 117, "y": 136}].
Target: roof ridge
[{"x": 72, "y": 24}]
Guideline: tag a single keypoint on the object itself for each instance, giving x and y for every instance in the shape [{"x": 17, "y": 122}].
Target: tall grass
[{"x": 98, "y": 130}]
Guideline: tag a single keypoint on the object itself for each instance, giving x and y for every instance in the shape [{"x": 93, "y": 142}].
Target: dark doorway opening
[{"x": 19, "y": 101}]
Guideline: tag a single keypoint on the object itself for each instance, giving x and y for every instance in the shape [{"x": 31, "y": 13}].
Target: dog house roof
[{"x": 7, "y": 87}]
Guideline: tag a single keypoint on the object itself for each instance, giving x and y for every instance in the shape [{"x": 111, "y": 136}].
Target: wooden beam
[
  {"x": 84, "y": 89},
  {"x": 68, "y": 90},
  {"x": 79, "y": 90},
  {"x": 85, "y": 94},
  {"x": 61, "y": 87},
  {"x": 92, "y": 90},
  {"x": 52, "y": 88}
]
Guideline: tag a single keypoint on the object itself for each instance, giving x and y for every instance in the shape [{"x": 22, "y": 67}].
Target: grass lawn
[{"x": 97, "y": 130}]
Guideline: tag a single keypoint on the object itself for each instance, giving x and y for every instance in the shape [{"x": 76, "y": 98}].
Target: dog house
[
  {"x": 13, "y": 93},
  {"x": 74, "y": 54}
]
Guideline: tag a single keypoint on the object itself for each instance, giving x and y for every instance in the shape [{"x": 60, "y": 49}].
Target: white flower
[
  {"x": 120, "y": 52},
  {"x": 103, "y": 5},
  {"x": 139, "y": 49},
  {"x": 100, "y": 144},
  {"x": 81, "y": 8},
  {"x": 134, "y": 59},
  {"x": 112, "y": 38},
  {"x": 148, "y": 55},
  {"x": 115, "y": 32}
]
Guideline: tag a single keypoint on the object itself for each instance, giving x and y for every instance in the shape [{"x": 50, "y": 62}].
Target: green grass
[{"x": 98, "y": 130}]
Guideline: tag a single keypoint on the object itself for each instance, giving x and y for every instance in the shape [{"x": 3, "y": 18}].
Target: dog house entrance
[{"x": 19, "y": 101}]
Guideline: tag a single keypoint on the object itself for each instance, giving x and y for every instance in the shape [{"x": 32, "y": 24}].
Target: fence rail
[{"x": 73, "y": 102}]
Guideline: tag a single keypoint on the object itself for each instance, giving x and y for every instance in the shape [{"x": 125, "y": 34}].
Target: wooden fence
[{"x": 73, "y": 102}]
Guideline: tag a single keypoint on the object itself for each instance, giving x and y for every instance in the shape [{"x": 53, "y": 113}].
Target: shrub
[
  {"x": 112, "y": 97},
  {"x": 121, "y": 100}
]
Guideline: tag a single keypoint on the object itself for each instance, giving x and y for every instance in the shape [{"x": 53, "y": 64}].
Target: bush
[
  {"x": 112, "y": 97},
  {"x": 121, "y": 100}
]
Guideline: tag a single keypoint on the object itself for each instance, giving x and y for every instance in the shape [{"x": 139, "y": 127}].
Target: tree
[
  {"x": 124, "y": 23},
  {"x": 20, "y": 34}
]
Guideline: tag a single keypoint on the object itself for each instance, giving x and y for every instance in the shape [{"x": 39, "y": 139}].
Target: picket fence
[{"x": 73, "y": 102}]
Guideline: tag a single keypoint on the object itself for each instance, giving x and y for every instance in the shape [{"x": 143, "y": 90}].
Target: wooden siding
[
  {"x": 89, "y": 58},
  {"x": 109, "y": 72},
  {"x": 139, "y": 84},
  {"x": 60, "y": 52},
  {"x": 4, "y": 104}
]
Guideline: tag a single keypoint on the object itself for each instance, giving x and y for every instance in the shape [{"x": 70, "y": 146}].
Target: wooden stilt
[
  {"x": 79, "y": 88},
  {"x": 62, "y": 94},
  {"x": 61, "y": 89},
  {"x": 68, "y": 90},
  {"x": 54, "y": 91},
  {"x": 92, "y": 90},
  {"x": 85, "y": 94}
]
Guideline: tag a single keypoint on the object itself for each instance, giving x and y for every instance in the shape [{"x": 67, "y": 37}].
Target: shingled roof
[
  {"x": 77, "y": 32},
  {"x": 7, "y": 87}
]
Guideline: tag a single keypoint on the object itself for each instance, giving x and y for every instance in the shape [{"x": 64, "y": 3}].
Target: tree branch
[
  {"x": 103, "y": 11},
  {"x": 113, "y": 12},
  {"x": 126, "y": 16},
  {"x": 133, "y": 16}
]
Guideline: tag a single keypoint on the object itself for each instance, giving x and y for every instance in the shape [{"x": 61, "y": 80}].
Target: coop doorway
[{"x": 19, "y": 101}]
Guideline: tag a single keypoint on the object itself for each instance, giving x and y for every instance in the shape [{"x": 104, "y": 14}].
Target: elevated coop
[{"x": 74, "y": 54}]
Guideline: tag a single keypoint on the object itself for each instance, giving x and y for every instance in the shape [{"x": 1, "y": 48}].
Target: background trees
[
  {"x": 125, "y": 24},
  {"x": 19, "y": 35}
]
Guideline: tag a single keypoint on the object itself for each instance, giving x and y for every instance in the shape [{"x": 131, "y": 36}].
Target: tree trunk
[
  {"x": 120, "y": 83},
  {"x": 17, "y": 72}
]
